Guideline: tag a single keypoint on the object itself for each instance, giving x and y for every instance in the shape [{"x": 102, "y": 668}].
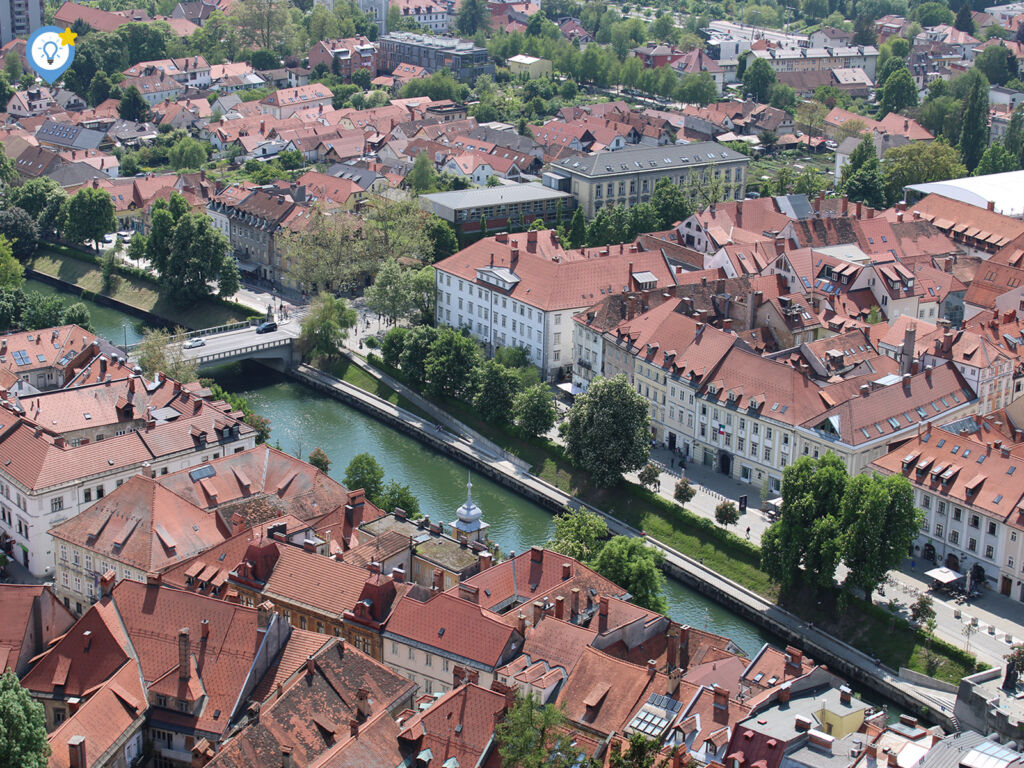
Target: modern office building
[{"x": 463, "y": 58}]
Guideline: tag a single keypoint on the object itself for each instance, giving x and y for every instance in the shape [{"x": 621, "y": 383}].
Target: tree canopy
[
  {"x": 633, "y": 565},
  {"x": 23, "y": 741},
  {"x": 609, "y": 430},
  {"x": 325, "y": 326}
]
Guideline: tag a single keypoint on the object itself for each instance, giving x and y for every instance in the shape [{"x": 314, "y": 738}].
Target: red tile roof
[
  {"x": 456, "y": 627},
  {"x": 313, "y": 709},
  {"x": 458, "y": 725},
  {"x": 31, "y": 612}
]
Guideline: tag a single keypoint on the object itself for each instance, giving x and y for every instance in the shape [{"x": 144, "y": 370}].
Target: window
[
  {"x": 991, "y": 528},
  {"x": 990, "y": 552},
  {"x": 444, "y": 665},
  {"x": 954, "y": 537},
  {"x": 957, "y": 513},
  {"x": 57, "y": 504},
  {"x": 975, "y": 521},
  {"x": 78, "y": 584},
  {"x": 63, "y": 552},
  {"x": 302, "y": 622},
  {"x": 972, "y": 545},
  {"x": 412, "y": 653},
  {"x": 87, "y": 494},
  {"x": 427, "y": 659},
  {"x": 938, "y": 529},
  {"x": 59, "y": 715}
]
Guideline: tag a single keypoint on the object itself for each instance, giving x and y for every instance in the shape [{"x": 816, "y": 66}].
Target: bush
[{"x": 371, "y": 342}]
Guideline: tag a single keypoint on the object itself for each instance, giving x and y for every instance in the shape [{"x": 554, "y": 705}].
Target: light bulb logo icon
[{"x": 50, "y": 51}]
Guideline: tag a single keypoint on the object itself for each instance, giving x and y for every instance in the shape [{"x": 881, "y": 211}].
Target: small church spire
[{"x": 469, "y": 489}]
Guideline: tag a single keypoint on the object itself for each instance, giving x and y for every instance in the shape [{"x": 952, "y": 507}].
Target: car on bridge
[
  {"x": 267, "y": 326},
  {"x": 193, "y": 343}
]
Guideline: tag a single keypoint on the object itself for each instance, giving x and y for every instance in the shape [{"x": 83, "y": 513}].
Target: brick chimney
[
  {"x": 858, "y": 210},
  {"x": 783, "y": 695},
  {"x": 469, "y": 593},
  {"x": 566, "y": 571},
  {"x": 76, "y": 752},
  {"x": 907, "y": 352},
  {"x": 559, "y": 607},
  {"x": 485, "y": 559},
  {"x": 398, "y": 574},
  {"x": 602, "y": 615},
  {"x": 574, "y": 603},
  {"x": 845, "y": 694},
  {"x": 672, "y": 650},
  {"x": 536, "y": 554},
  {"x": 538, "y": 612},
  {"x": 107, "y": 581},
  {"x": 286, "y": 757},
  {"x": 183, "y": 650},
  {"x": 438, "y": 581},
  {"x": 845, "y": 206},
  {"x": 990, "y": 205}
]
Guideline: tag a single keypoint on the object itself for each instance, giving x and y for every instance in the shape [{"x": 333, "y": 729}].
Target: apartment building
[
  {"x": 501, "y": 207},
  {"x": 628, "y": 176},
  {"x": 190, "y": 71},
  {"x": 523, "y": 290},
  {"x": 967, "y": 484},
  {"x": 63, "y": 450},
  {"x": 345, "y": 56},
  {"x": 20, "y": 18},
  {"x": 463, "y": 58},
  {"x": 817, "y": 59}
]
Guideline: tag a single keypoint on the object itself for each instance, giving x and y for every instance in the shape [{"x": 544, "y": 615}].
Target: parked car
[
  {"x": 267, "y": 326},
  {"x": 193, "y": 343},
  {"x": 125, "y": 235}
]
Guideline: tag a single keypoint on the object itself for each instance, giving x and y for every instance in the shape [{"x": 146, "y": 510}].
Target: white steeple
[{"x": 470, "y": 522}]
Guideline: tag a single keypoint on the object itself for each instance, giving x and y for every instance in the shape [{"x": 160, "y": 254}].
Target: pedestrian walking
[{"x": 748, "y": 533}]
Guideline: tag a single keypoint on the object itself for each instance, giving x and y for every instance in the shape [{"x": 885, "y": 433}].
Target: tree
[
  {"x": 922, "y": 609},
  {"x": 964, "y": 21},
  {"x": 650, "y": 477},
  {"x": 423, "y": 176},
  {"x": 866, "y": 186},
  {"x": 392, "y": 345},
  {"x": 442, "y": 238},
  {"x": 12, "y": 67},
  {"x": 578, "y": 229},
  {"x": 108, "y": 271},
  {"x": 12, "y": 273},
  {"x": 199, "y": 255},
  {"x": 579, "y": 533},
  {"x": 366, "y": 473},
  {"x": 450, "y": 363},
  {"x": 422, "y": 294},
  {"x": 6, "y": 91},
  {"x": 670, "y": 202},
  {"x": 23, "y": 742},
  {"x": 473, "y": 17},
  {"x": 326, "y": 254},
  {"x": 34, "y": 197},
  {"x": 684, "y": 492},
  {"x": 919, "y": 162},
  {"x": 186, "y": 153},
  {"x": 415, "y": 352},
  {"x": 782, "y": 96},
  {"x": 997, "y": 63},
  {"x": 932, "y": 14},
  {"x": 137, "y": 248},
  {"x": 974, "y": 125},
  {"x": 393, "y": 228},
  {"x": 90, "y": 216},
  {"x": 879, "y": 523},
  {"x": 99, "y": 88},
  {"x": 609, "y": 430},
  {"x": 391, "y": 292},
  {"x": 758, "y": 81},
  {"x": 898, "y": 93},
  {"x": 642, "y": 752},
  {"x": 362, "y": 78},
  {"x": 531, "y": 735},
  {"x": 636, "y": 567},
  {"x": 997, "y": 159},
  {"x": 495, "y": 392},
  {"x": 534, "y": 410},
  {"x": 326, "y": 325},
  {"x": 319, "y": 459},
  {"x": 393, "y": 495},
  {"x": 727, "y": 514},
  {"x": 156, "y": 353},
  {"x": 807, "y": 531},
  {"x": 132, "y": 106},
  {"x": 263, "y": 23},
  {"x": 21, "y": 232}
]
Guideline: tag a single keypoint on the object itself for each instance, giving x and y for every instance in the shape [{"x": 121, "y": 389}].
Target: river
[{"x": 302, "y": 419}]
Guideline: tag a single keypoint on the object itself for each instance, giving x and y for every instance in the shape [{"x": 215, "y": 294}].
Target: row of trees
[
  {"x": 867, "y": 522},
  {"x": 364, "y": 471},
  {"x": 445, "y": 362},
  {"x": 618, "y": 224}
]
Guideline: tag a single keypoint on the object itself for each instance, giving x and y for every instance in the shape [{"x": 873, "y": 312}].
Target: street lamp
[{"x": 124, "y": 326}]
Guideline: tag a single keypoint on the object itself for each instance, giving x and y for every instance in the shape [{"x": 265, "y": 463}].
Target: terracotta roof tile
[{"x": 458, "y": 725}]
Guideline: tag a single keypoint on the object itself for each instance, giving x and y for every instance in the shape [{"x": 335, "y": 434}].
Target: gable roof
[{"x": 457, "y": 728}]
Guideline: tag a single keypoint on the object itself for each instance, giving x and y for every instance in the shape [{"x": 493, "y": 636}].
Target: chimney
[
  {"x": 536, "y": 554},
  {"x": 907, "y": 353},
  {"x": 183, "y": 649},
  {"x": 783, "y": 695},
  {"x": 858, "y": 210},
  {"x": 865, "y": 390},
  {"x": 721, "y": 697},
  {"x": 76, "y": 752},
  {"x": 845, "y": 206},
  {"x": 672, "y": 650},
  {"x": 264, "y": 614},
  {"x": 107, "y": 583},
  {"x": 629, "y": 277},
  {"x": 871, "y": 751},
  {"x": 363, "y": 702},
  {"x": 652, "y": 667},
  {"x": 353, "y": 728},
  {"x": 602, "y": 615},
  {"x": 780, "y": 246},
  {"x": 845, "y": 695},
  {"x": 538, "y": 612},
  {"x": 802, "y": 723},
  {"x": 286, "y": 757},
  {"x": 991, "y": 205},
  {"x": 485, "y": 560},
  {"x": 398, "y": 574},
  {"x": 438, "y": 581},
  {"x": 574, "y": 603},
  {"x": 892, "y": 759},
  {"x": 928, "y": 372},
  {"x": 147, "y": 469},
  {"x": 559, "y": 607},
  {"x": 566, "y": 571},
  {"x": 739, "y": 215},
  {"x": 521, "y": 623},
  {"x": 469, "y": 593},
  {"x": 908, "y": 720}
]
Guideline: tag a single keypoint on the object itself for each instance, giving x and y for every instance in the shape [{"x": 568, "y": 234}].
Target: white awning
[{"x": 944, "y": 575}]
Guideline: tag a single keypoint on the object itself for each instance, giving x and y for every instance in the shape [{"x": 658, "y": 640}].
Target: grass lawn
[
  {"x": 346, "y": 370},
  {"x": 133, "y": 291},
  {"x": 865, "y": 626}
]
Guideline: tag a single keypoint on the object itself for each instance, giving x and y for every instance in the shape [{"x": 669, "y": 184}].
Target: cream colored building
[{"x": 529, "y": 66}]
